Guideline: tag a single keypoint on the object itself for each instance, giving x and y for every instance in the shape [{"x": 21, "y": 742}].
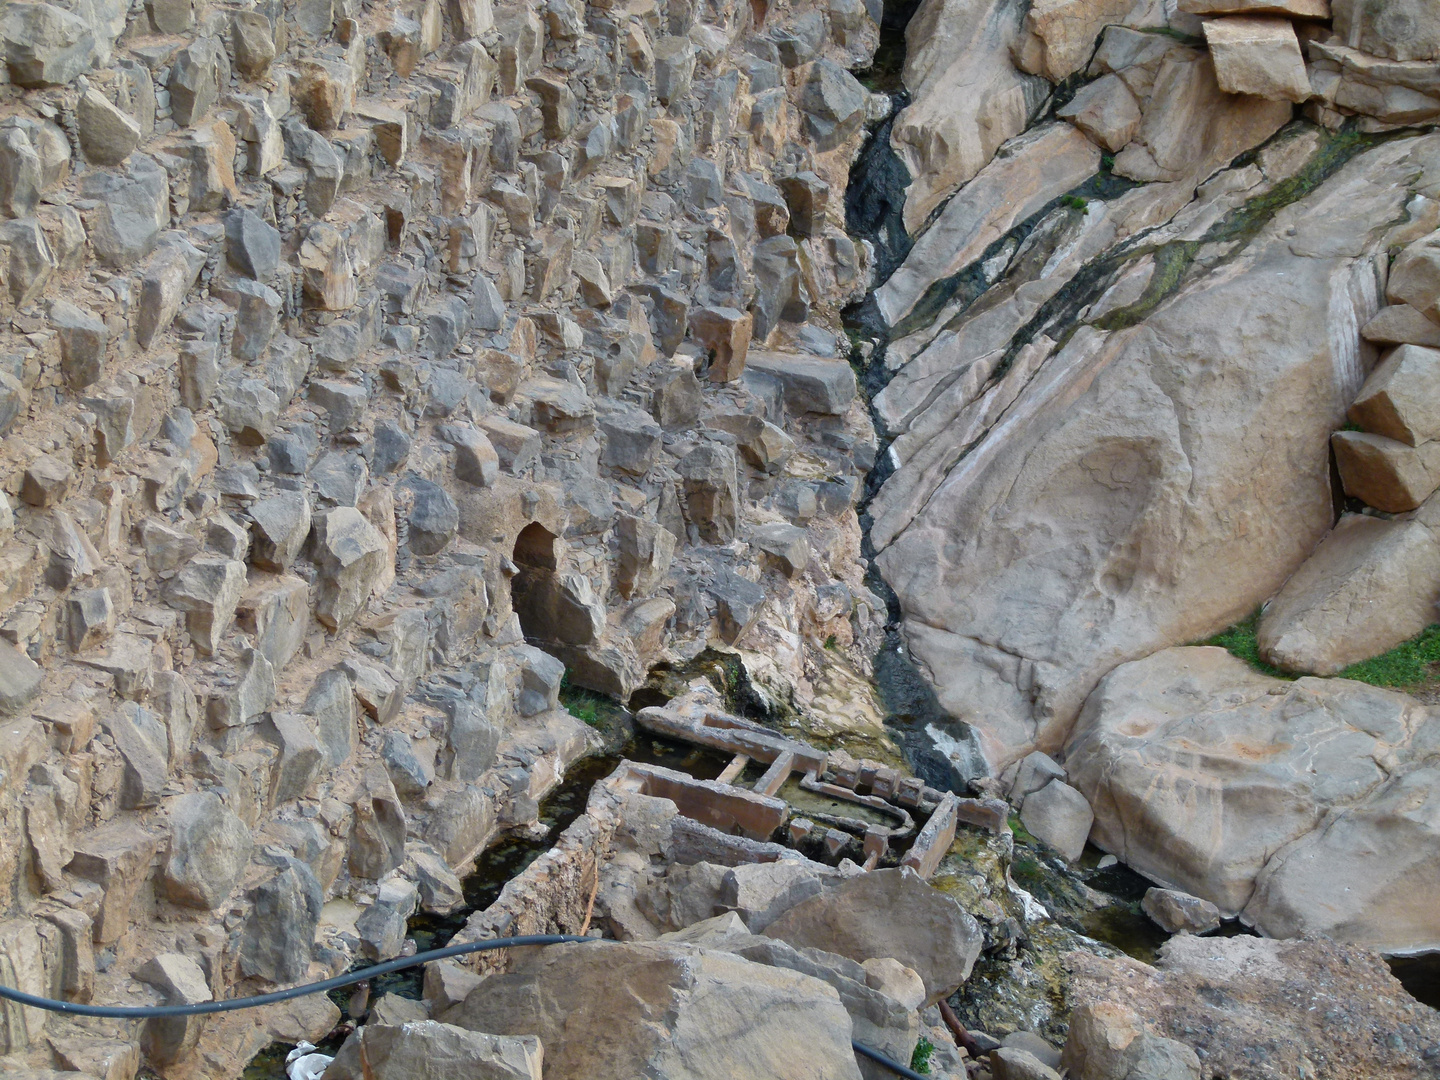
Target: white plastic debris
[{"x": 303, "y": 1064}]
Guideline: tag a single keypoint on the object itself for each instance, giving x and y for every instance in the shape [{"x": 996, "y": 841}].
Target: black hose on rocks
[{"x": 202, "y": 1008}]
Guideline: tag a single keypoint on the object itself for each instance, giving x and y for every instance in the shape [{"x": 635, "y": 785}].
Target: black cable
[
  {"x": 893, "y": 1066},
  {"x": 202, "y": 1008}
]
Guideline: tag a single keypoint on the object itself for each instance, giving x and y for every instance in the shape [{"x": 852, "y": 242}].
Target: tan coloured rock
[
  {"x": 1401, "y": 324},
  {"x": 1401, "y": 398},
  {"x": 1372, "y": 584},
  {"x": 1384, "y": 473},
  {"x": 1258, "y": 56},
  {"x": 1037, "y": 167},
  {"x": 1243, "y": 1000},
  {"x": 615, "y": 1011},
  {"x": 1393, "y": 29},
  {"x": 1191, "y": 126},
  {"x": 1259, "y": 794},
  {"x": 1298, "y": 9},
  {"x": 1060, "y": 35},
  {"x": 1391, "y": 91},
  {"x": 1105, "y": 110},
  {"x": 892, "y": 913},
  {"x": 1415, "y": 278},
  {"x": 1119, "y": 504},
  {"x": 967, "y": 99}
]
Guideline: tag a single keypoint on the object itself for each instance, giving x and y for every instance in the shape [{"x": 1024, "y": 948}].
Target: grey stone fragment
[
  {"x": 738, "y": 604},
  {"x": 21, "y": 179},
  {"x": 779, "y": 292},
  {"x": 789, "y": 545},
  {"x": 31, "y": 259},
  {"x": 345, "y": 402},
  {"x": 165, "y": 1040},
  {"x": 254, "y": 42},
  {"x": 341, "y": 477},
  {"x": 331, "y": 703},
  {"x": 833, "y": 103},
  {"x": 89, "y": 618},
  {"x": 674, "y": 68},
  {"x": 248, "y": 408},
  {"x": 646, "y": 551},
  {"x": 408, "y": 772},
  {"x": 540, "y": 677},
  {"x": 391, "y": 448},
  {"x": 144, "y": 748},
  {"x": 107, "y": 135},
  {"x": 279, "y": 933},
  {"x": 1013, "y": 1063},
  {"x": 281, "y": 526},
  {"x": 350, "y": 554},
  {"x": 440, "y": 890},
  {"x": 1178, "y": 912},
  {"x": 197, "y": 75},
  {"x": 209, "y": 849},
  {"x": 434, "y": 517},
  {"x": 1059, "y": 815},
  {"x": 712, "y": 493},
  {"x": 252, "y": 245},
  {"x": 811, "y": 385},
  {"x": 300, "y": 760},
  {"x": 291, "y": 452},
  {"x": 472, "y": 741},
  {"x": 382, "y": 926},
  {"x": 677, "y": 399},
  {"x": 130, "y": 210},
  {"x": 208, "y": 590},
  {"x": 46, "y": 45},
  {"x": 632, "y": 440},
  {"x": 243, "y": 703}
]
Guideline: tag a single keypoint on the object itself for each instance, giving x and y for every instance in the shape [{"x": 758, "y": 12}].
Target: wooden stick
[{"x": 962, "y": 1037}]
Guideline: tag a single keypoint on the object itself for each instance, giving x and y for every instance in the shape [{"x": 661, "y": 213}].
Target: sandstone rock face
[
  {"x": 1369, "y": 586},
  {"x": 967, "y": 97},
  {"x": 1258, "y": 794},
  {"x": 1256, "y": 1017},
  {"x": 1035, "y": 541},
  {"x": 348, "y": 387},
  {"x": 924, "y": 929},
  {"x": 653, "y": 1008},
  {"x": 1040, "y": 166},
  {"x": 1258, "y": 56}
]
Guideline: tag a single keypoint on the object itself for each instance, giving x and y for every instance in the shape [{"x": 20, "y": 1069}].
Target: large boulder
[
  {"x": 1251, "y": 1007},
  {"x": 1123, "y": 502},
  {"x": 966, "y": 96},
  {"x": 1372, "y": 584},
  {"x": 425, "y": 1050},
  {"x": 1260, "y": 795},
  {"x": 1038, "y": 167},
  {"x": 892, "y": 913},
  {"x": 611, "y": 1011}
]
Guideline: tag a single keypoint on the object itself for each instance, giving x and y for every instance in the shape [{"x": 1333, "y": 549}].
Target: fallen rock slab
[
  {"x": 1371, "y": 584},
  {"x": 617, "y": 1011},
  {"x": 1304, "y": 807},
  {"x": 1254, "y": 1008},
  {"x": 889, "y": 913}
]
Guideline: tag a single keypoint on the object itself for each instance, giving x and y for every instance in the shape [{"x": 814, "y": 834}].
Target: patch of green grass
[
  {"x": 1074, "y": 202},
  {"x": 920, "y": 1059},
  {"x": 830, "y": 642},
  {"x": 585, "y": 705},
  {"x": 1107, "y": 162},
  {"x": 1240, "y": 640},
  {"x": 1022, "y": 834},
  {"x": 1410, "y": 664}
]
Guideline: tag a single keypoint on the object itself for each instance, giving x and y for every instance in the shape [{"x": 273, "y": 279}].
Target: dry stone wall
[{"x": 365, "y": 371}]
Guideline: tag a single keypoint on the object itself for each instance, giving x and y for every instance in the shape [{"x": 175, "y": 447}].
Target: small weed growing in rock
[
  {"x": 1074, "y": 202},
  {"x": 1107, "y": 162},
  {"x": 1022, "y": 834},
  {"x": 920, "y": 1059},
  {"x": 830, "y": 642},
  {"x": 582, "y": 704}
]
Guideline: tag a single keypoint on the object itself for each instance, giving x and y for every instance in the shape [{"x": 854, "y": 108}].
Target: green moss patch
[{"x": 1412, "y": 665}]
